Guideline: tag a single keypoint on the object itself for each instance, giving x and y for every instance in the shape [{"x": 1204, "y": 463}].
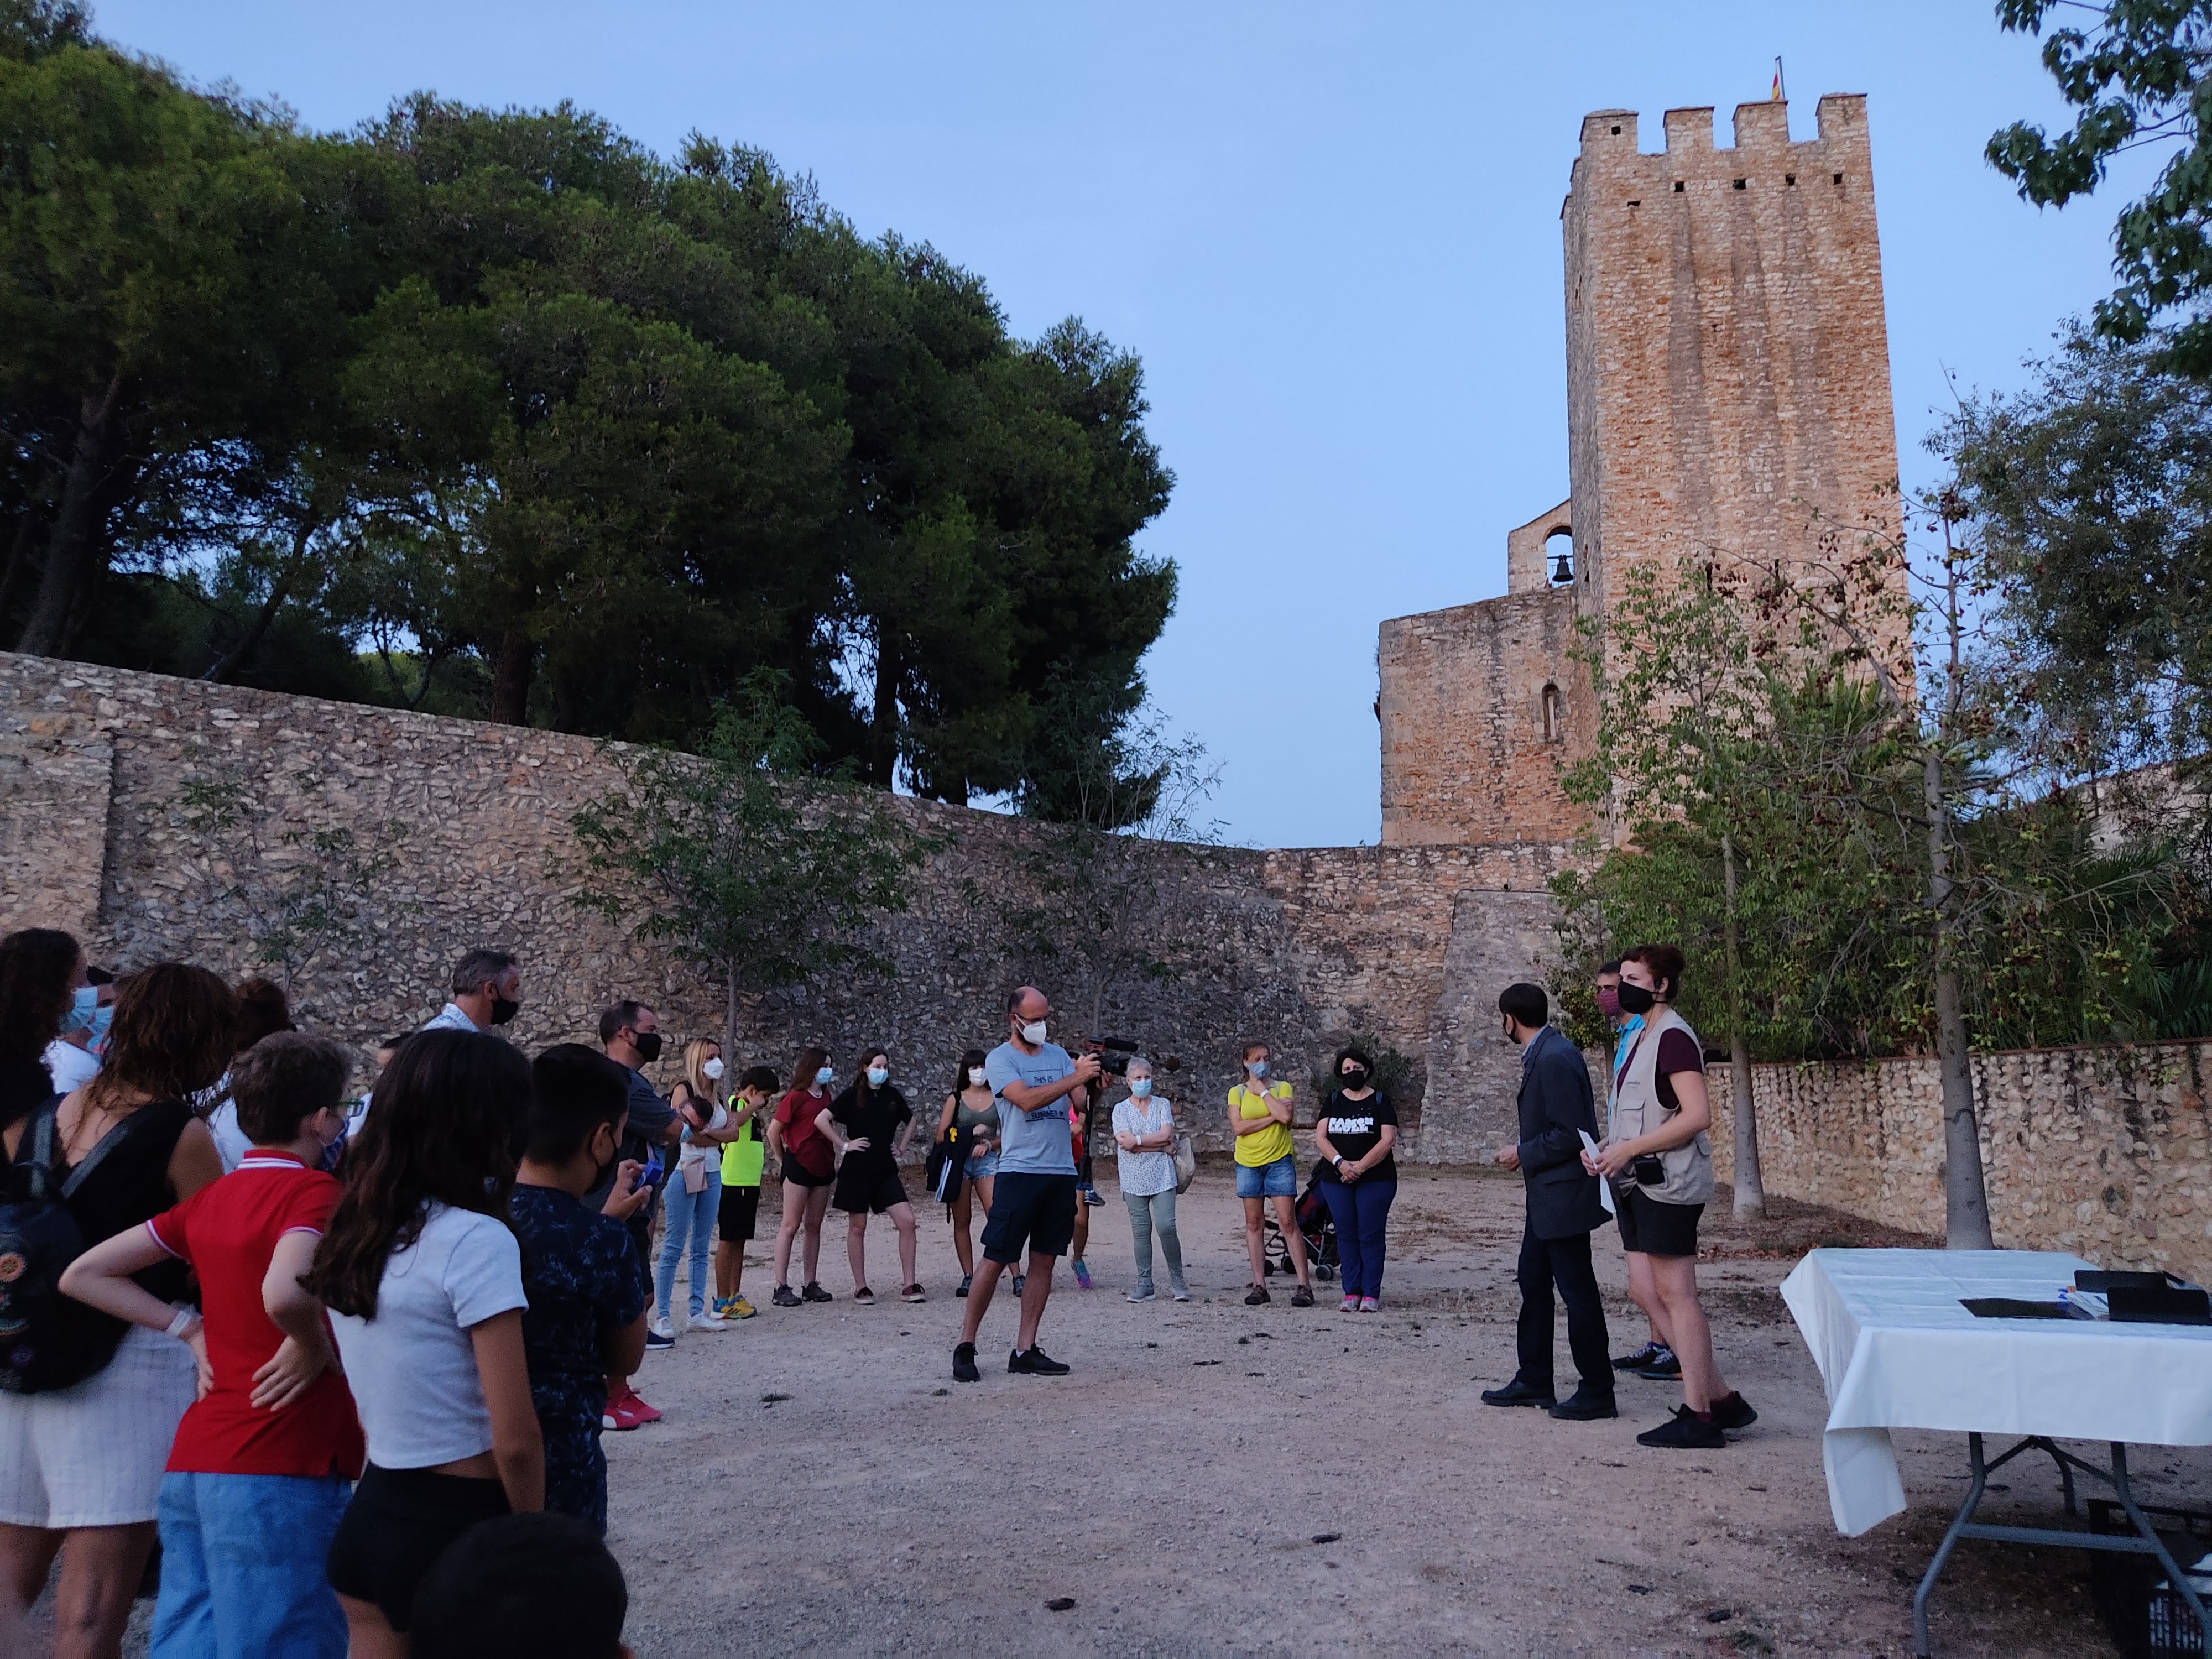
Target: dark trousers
[
  {"x": 1565, "y": 1262},
  {"x": 1361, "y": 1213}
]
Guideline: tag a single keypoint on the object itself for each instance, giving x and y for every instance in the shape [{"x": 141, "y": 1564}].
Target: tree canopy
[{"x": 496, "y": 412}]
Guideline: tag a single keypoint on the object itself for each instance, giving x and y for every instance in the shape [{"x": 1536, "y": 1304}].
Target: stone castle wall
[
  {"x": 456, "y": 834},
  {"x": 2105, "y": 1151}
]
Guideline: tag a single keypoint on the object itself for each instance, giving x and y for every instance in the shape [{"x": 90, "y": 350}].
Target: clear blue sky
[{"x": 1332, "y": 233}]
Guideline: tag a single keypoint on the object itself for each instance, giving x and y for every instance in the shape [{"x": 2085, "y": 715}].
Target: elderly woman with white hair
[{"x": 1144, "y": 1128}]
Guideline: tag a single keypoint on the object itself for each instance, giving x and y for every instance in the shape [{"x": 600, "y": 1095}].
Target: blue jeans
[
  {"x": 242, "y": 1567},
  {"x": 1360, "y": 1212},
  {"x": 690, "y": 1217}
]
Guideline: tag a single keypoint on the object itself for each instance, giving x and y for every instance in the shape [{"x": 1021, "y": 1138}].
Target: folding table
[{"x": 1896, "y": 1350}]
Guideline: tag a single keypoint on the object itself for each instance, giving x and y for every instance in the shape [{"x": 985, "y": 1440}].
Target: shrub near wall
[{"x": 2105, "y": 1152}]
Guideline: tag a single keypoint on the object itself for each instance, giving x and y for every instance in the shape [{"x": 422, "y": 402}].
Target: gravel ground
[{"x": 1219, "y": 1478}]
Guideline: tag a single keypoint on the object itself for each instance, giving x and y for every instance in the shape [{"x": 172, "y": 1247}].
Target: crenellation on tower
[{"x": 1728, "y": 402}]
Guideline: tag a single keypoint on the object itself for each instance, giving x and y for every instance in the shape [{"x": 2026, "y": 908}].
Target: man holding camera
[
  {"x": 1033, "y": 1202},
  {"x": 1557, "y": 1110}
]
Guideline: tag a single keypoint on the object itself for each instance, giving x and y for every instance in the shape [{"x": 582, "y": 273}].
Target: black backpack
[{"x": 47, "y": 1340}]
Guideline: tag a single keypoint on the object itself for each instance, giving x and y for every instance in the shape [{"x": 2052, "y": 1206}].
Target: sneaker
[
  {"x": 711, "y": 1320},
  {"x": 914, "y": 1293},
  {"x": 1082, "y": 1274},
  {"x": 1369, "y": 1304},
  {"x": 963, "y": 1363},
  {"x": 1643, "y": 1355},
  {"x": 1350, "y": 1305},
  {"x": 738, "y": 1308},
  {"x": 785, "y": 1296},
  {"x": 1734, "y": 1413},
  {"x": 1302, "y": 1297},
  {"x": 1093, "y": 1197},
  {"x": 1517, "y": 1393},
  {"x": 1257, "y": 1296},
  {"x": 638, "y": 1408},
  {"x": 1586, "y": 1405},
  {"x": 616, "y": 1414},
  {"x": 658, "y": 1335},
  {"x": 814, "y": 1292},
  {"x": 1665, "y": 1369},
  {"x": 967, "y": 1283},
  {"x": 1034, "y": 1362},
  {"x": 1142, "y": 1293},
  {"x": 1685, "y": 1431},
  {"x": 1178, "y": 1290},
  {"x": 864, "y": 1296},
  {"x": 1020, "y": 1279}
]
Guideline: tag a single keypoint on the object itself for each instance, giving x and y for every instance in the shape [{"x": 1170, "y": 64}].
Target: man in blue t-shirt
[{"x": 1034, "y": 1201}]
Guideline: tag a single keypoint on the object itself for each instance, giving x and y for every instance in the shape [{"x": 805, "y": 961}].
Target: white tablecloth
[{"x": 1898, "y": 1352}]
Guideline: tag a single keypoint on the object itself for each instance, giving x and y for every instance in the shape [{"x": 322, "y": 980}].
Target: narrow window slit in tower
[
  {"x": 1790, "y": 179},
  {"x": 1551, "y": 721},
  {"x": 1739, "y": 183},
  {"x": 1838, "y": 178},
  {"x": 1635, "y": 203},
  {"x": 1678, "y": 187}
]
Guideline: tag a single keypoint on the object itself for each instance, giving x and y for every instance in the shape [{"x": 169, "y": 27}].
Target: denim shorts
[
  {"x": 1276, "y": 1180},
  {"x": 985, "y": 1167}
]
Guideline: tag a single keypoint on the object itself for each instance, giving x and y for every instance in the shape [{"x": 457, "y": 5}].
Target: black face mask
[
  {"x": 647, "y": 1044},
  {"x": 1355, "y": 1079},
  {"x": 504, "y": 1010},
  {"x": 1635, "y": 999}
]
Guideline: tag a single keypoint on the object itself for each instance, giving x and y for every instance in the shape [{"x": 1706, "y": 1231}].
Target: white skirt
[{"x": 92, "y": 1454}]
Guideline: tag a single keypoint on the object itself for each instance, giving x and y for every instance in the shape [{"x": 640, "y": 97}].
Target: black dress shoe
[
  {"x": 1517, "y": 1393},
  {"x": 1586, "y": 1405}
]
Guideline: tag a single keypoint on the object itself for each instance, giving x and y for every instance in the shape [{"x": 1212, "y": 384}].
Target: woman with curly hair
[
  {"x": 82, "y": 1450},
  {"x": 423, "y": 1279}
]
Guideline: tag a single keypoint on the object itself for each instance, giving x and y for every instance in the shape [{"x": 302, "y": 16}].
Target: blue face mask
[
  {"x": 1140, "y": 1086},
  {"x": 102, "y": 1018},
  {"x": 1259, "y": 1068},
  {"x": 878, "y": 1076},
  {"x": 84, "y": 1002},
  {"x": 828, "y": 1074}
]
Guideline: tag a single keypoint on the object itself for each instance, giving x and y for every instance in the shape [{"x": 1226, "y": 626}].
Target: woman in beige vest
[{"x": 1657, "y": 1157}]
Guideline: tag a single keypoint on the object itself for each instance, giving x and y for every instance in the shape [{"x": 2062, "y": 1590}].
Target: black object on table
[{"x": 2144, "y": 1540}]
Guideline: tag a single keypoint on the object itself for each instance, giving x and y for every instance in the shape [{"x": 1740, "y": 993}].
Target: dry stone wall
[
  {"x": 359, "y": 850},
  {"x": 2105, "y": 1151}
]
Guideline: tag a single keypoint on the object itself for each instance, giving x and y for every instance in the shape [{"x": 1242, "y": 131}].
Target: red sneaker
[
  {"x": 616, "y": 1414},
  {"x": 638, "y": 1408}
]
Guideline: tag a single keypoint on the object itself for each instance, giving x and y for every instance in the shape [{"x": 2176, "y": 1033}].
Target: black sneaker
[
  {"x": 1020, "y": 1279},
  {"x": 785, "y": 1296},
  {"x": 1665, "y": 1369},
  {"x": 1034, "y": 1362},
  {"x": 1643, "y": 1357},
  {"x": 1734, "y": 1413},
  {"x": 1302, "y": 1297},
  {"x": 966, "y": 1282},
  {"x": 1257, "y": 1295},
  {"x": 1585, "y": 1405},
  {"x": 1685, "y": 1431},
  {"x": 814, "y": 1292},
  {"x": 963, "y": 1363},
  {"x": 1517, "y": 1393}
]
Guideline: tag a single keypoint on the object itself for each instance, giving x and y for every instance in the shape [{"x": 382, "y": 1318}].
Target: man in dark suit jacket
[{"x": 1563, "y": 1210}]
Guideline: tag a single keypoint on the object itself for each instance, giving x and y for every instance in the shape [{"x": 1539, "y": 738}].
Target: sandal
[
  {"x": 865, "y": 1297},
  {"x": 1256, "y": 1295},
  {"x": 1302, "y": 1297}
]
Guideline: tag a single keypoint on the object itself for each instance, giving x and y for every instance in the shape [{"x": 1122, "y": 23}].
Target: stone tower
[{"x": 1728, "y": 400}]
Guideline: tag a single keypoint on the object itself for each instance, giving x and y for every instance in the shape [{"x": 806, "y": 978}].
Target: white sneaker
[
  {"x": 708, "y": 1320},
  {"x": 658, "y": 1335}
]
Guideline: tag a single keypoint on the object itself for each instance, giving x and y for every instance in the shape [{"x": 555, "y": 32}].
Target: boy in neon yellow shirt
[{"x": 742, "y": 1161}]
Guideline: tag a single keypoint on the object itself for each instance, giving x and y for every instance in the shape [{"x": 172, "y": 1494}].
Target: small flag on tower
[{"x": 1777, "y": 93}]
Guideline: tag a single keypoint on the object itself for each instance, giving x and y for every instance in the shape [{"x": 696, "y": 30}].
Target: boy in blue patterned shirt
[{"x": 585, "y": 1321}]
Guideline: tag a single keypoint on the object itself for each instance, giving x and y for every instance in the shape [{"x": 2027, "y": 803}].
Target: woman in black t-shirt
[
  {"x": 1358, "y": 1176},
  {"x": 870, "y": 1123}
]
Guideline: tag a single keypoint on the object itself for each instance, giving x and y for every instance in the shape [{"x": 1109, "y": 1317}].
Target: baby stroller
[{"x": 1316, "y": 1228}]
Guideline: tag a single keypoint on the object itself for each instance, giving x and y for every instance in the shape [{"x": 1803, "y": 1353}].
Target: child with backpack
[
  {"x": 265, "y": 1459},
  {"x": 586, "y": 1318}
]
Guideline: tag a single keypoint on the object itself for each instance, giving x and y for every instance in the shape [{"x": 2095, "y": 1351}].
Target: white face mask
[
  {"x": 975, "y": 1077},
  {"x": 1033, "y": 1033},
  {"x": 712, "y": 1070}
]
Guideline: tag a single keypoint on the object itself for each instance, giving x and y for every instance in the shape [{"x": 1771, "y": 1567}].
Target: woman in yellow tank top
[{"x": 1260, "y": 1119}]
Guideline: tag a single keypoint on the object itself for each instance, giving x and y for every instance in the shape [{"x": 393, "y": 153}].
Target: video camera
[{"x": 1115, "y": 1052}]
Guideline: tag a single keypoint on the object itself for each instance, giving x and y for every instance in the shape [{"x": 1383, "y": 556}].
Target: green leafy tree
[
  {"x": 751, "y": 865},
  {"x": 2134, "y": 72}
]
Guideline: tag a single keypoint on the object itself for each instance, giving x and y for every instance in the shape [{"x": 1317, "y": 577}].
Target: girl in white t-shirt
[{"x": 423, "y": 1280}]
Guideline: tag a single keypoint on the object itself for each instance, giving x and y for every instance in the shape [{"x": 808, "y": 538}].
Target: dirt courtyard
[{"x": 821, "y": 1482}]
